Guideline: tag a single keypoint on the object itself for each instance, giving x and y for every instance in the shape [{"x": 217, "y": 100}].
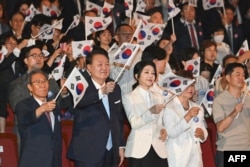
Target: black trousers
[
  {"x": 106, "y": 161},
  {"x": 150, "y": 160}
]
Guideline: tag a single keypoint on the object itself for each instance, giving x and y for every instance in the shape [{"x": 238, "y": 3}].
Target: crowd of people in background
[{"x": 166, "y": 127}]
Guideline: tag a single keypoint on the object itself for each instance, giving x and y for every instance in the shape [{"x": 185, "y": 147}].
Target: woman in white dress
[{"x": 184, "y": 122}]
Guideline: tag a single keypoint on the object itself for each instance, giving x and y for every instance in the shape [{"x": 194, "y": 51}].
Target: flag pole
[
  {"x": 69, "y": 28},
  {"x": 172, "y": 21},
  {"x": 60, "y": 91}
]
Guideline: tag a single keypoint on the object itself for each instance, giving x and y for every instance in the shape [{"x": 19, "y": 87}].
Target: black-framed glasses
[
  {"x": 39, "y": 82},
  {"x": 36, "y": 56}
]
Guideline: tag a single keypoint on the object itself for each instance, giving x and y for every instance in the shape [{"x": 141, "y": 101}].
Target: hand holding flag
[{"x": 76, "y": 84}]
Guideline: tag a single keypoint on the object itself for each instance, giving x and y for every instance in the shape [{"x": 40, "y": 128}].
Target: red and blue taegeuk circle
[
  {"x": 86, "y": 50},
  {"x": 175, "y": 83},
  {"x": 212, "y": 2},
  {"x": 142, "y": 34},
  {"x": 79, "y": 88},
  {"x": 210, "y": 95},
  {"x": 98, "y": 25},
  {"x": 126, "y": 53},
  {"x": 156, "y": 31}
]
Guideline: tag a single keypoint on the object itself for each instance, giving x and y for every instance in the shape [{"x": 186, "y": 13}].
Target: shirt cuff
[{"x": 16, "y": 52}]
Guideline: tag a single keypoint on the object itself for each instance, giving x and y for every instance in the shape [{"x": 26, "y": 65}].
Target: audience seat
[
  {"x": 67, "y": 126},
  {"x": 8, "y": 150}
]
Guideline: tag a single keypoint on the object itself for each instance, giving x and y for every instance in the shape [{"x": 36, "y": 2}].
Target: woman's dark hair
[
  {"x": 204, "y": 45},
  {"x": 185, "y": 74},
  {"x": 138, "y": 70},
  {"x": 152, "y": 52},
  {"x": 154, "y": 10},
  {"x": 97, "y": 35}
]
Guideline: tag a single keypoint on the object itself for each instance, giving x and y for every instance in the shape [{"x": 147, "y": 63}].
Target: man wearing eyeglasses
[
  {"x": 33, "y": 59},
  {"x": 123, "y": 33},
  {"x": 39, "y": 124}
]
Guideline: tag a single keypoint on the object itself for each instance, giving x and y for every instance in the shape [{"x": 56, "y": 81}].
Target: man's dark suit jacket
[
  {"x": 238, "y": 38},
  {"x": 92, "y": 125},
  {"x": 40, "y": 146},
  {"x": 183, "y": 37}
]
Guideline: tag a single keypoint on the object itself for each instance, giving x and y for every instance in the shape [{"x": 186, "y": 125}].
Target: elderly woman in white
[
  {"x": 184, "y": 122},
  {"x": 146, "y": 144}
]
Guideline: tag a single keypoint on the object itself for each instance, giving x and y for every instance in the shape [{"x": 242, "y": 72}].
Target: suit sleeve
[
  {"x": 136, "y": 120},
  {"x": 26, "y": 114}
]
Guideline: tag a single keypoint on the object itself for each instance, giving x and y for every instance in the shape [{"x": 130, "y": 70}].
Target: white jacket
[{"x": 145, "y": 126}]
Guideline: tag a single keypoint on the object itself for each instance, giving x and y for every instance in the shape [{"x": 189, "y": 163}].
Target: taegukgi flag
[{"x": 77, "y": 85}]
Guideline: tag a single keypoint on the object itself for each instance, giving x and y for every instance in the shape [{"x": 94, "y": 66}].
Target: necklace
[{"x": 186, "y": 107}]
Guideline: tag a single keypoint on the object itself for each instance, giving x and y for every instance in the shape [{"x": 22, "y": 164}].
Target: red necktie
[
  {"x": 48, "y": 117},
  {"x": 193, "y": 39}
]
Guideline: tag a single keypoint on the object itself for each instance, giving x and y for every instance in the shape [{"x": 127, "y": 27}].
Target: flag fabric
[
  {"x": 56, "y": 10},
  {"x": 125, "y": 54},
  {"x": 47, "y": 11},
  {"x": 244, "y": 48},
  {"x": 137, "y": 17},
  {"x": 156, "y": 30},
  {"x": 208, "y": 99},
  {"x": 208, "y": 4},
  {"x": 94, "y": 24},
  {"x": 143, "y": 35},
  {"x": 32, "y": 11},
  {"x": 94, "y": 7},
  {"x": 217, "y": 74},
  {"x": 248, "y": 83},
  {"x": 172, "y": 10},
  {"x": 77, "y": 85},
  {"x": 58, "y": 24},
  {"x": 3, "y": 52},
  {"x": 128, "y": 6},
  {"x": 75, "y": 22},
  {"x": 140, "y": 6},
  {"x": 176, "y": 84},
  {"x": 192, "y": 3},
  {"x": 193, "y": 66},
  {"x": 81, "y": 48},
  {"x": 106, "y": 9},
  {"x": 57, "y": 73},
  {"x": 46, "y": 32}
]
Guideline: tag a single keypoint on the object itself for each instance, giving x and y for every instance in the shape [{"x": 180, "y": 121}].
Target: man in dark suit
[
  {"x": 233, "y": 34},
  {"x": 97, "y": 138},
  {"x": 189, "y": 32},
  {"x": 39, "y": 125}
]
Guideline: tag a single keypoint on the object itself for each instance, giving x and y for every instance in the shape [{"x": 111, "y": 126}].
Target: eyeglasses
[
  {"x": 40, "y": 82},
  {"x": 36, "y": 56}
]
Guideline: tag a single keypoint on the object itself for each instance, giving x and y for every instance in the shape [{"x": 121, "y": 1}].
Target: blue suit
[
  {"x": 92, "y": 126},
  {"x": 40, "y": 146}
]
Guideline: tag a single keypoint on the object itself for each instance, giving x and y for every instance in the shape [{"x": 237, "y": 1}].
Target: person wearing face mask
[{"x": 223, "y": 48}]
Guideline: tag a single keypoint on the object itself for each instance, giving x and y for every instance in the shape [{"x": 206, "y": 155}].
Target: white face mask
[{"x": 218, "y": 38}]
